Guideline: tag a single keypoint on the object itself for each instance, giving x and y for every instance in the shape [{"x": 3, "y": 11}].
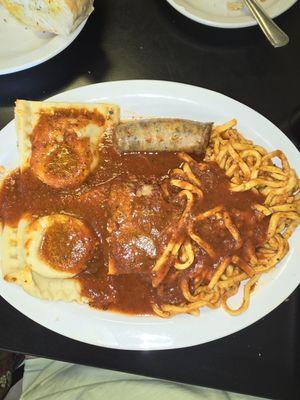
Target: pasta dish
[{"x": 146, "y": 217}]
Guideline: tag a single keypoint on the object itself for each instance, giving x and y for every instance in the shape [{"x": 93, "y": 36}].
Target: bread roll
[{"x": 56, "y": 16}]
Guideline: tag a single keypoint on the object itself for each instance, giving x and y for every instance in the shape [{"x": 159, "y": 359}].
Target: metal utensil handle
[{"x": 272, "y": 31}]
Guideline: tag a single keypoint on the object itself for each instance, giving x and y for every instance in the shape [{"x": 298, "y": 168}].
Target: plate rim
[
  {"x": 52, "y": 48},
  {"x": 248, "y": 21},
  {"x": 260, "y": 314}
]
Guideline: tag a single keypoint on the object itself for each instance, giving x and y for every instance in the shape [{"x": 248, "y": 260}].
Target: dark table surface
[{"x": 134, "y": 39}]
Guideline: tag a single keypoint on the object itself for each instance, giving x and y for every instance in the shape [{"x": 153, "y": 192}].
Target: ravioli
[
  {"x": 60, "y": 141},
  {"x": 44, "y": 255}
]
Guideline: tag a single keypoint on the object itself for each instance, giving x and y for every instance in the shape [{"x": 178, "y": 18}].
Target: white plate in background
[
  {"x": 22, "y": 48},
  {"x": 162, "y": 99},
  {"x": 216, "y": 13}
]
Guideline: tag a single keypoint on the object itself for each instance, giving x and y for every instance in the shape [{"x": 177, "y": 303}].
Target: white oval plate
[
  {"x": 23, "y": 48},
  {"x": 162, "y": 99},
  {"x": 216, "y": 13}
]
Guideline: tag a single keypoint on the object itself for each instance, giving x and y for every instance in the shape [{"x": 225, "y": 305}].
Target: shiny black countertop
[{"x": 134, "y": 39}]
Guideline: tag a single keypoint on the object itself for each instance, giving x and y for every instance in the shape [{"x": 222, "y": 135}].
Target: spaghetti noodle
[{"x": 250, "y": 168}]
